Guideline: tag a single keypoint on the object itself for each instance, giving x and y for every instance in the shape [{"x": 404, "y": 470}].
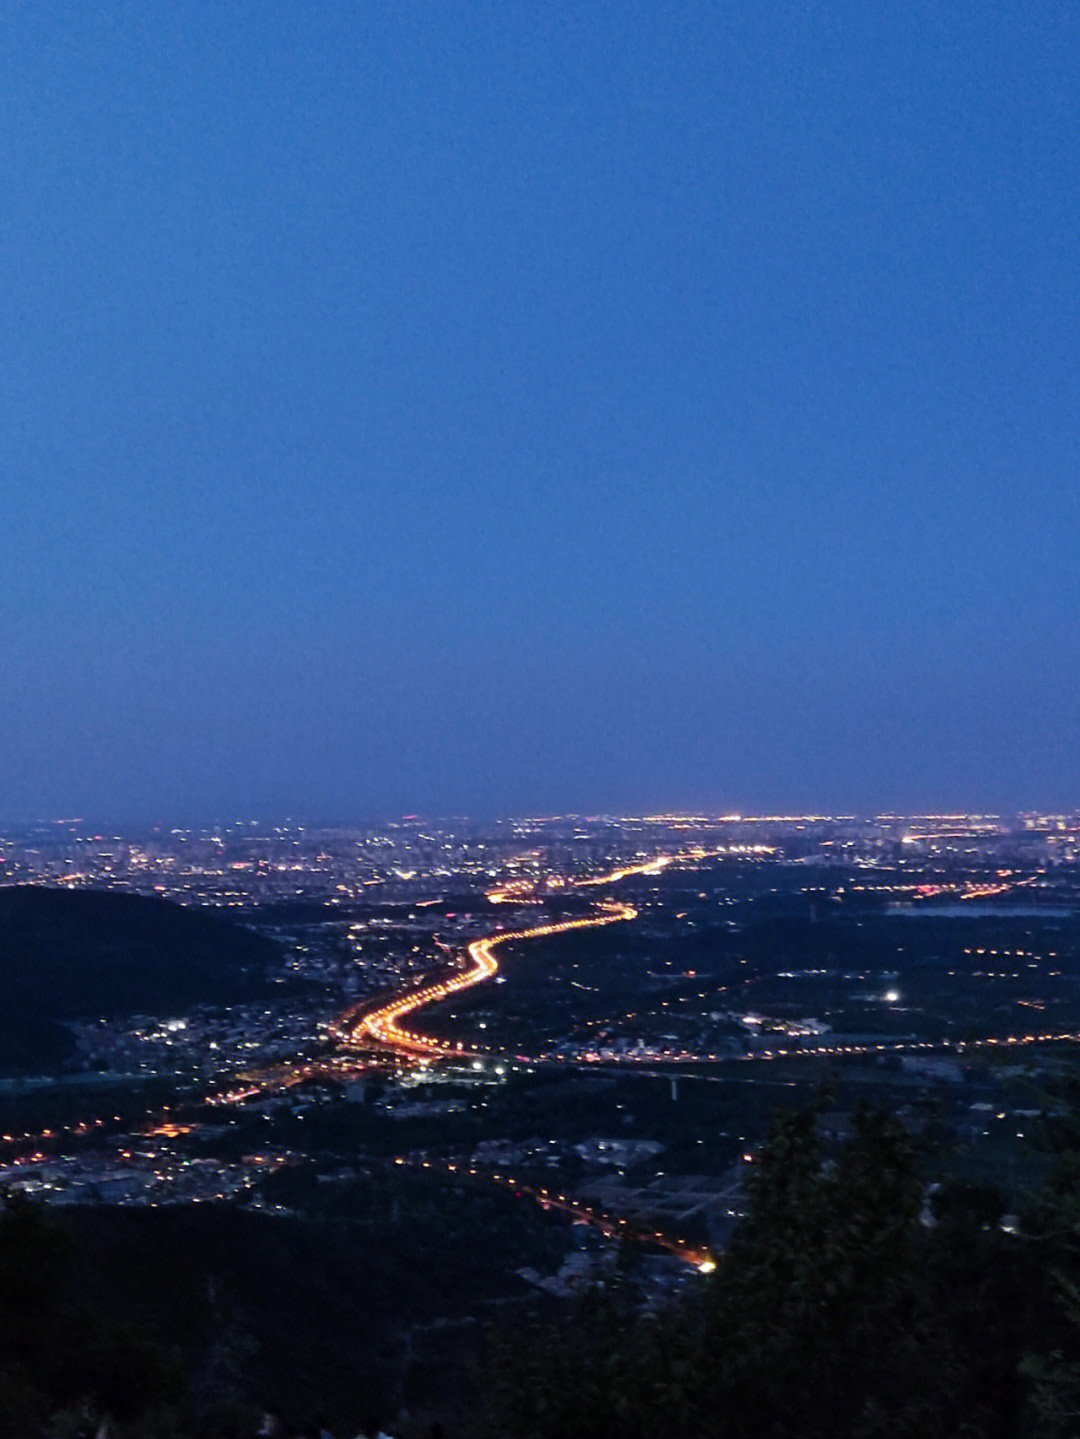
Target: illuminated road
[
  {"x": 524, "y": 891},
  {"x": 611, "y": 1226},
  {"x": 527, "y": 891},
  {"x": 281, "y": 1077},
  {"x": 384, "y": 1026}
]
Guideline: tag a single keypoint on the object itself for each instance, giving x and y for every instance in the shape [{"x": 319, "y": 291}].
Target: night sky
[{"x": 505, "y": 407}]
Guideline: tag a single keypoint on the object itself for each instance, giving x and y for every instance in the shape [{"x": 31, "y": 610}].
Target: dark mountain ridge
[{"x": 70, "y": 954}]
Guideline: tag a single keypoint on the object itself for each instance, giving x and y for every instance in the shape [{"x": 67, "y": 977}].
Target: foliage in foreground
[{"x": 837, "y": 1313}]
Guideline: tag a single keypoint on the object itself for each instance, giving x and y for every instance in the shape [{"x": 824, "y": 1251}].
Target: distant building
[{"x": 620, "y": 1152}]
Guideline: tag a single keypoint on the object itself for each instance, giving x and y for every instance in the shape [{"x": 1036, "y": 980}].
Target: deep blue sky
[{"x": 520, "y": 405}]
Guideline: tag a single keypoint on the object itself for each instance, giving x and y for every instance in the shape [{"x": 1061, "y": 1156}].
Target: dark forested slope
[{"x": 71, "y": 954}]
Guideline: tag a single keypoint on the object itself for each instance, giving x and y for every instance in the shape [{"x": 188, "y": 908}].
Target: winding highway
[{"x": 384, "y": 1025}]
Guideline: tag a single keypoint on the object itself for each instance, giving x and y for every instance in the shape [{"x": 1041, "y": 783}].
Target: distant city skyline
[{"x": 100, "y": 825}]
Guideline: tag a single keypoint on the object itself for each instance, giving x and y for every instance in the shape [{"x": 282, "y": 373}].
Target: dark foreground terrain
[{"x": 854, "y": 1301}]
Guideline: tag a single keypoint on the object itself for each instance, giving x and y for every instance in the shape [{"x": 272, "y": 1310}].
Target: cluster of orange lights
[
  {"x": 613, "y": 1227},
  {"x": 524, "y": 891},
  {"x": 167, "y": 1130},
  {"x": 383, "y": 1025}
]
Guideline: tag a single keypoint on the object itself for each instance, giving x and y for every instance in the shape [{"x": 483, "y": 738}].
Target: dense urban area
[{"x": 504, "y": 1063}]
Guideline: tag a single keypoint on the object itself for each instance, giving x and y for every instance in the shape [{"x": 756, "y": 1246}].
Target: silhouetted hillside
[
  {"x": 352, "y": 1312},
  {"x": 71, "y": 954}
]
